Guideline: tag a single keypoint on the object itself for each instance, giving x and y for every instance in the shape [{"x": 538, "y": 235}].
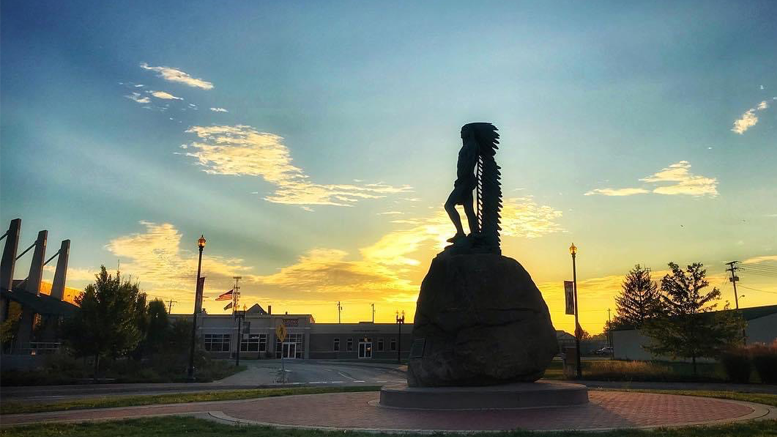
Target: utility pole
[
  {"x": 170, "y": 306},
  {"x": 240, "y": 317},
  {"x": 236, "y": 293},
  {"x": 373, "y": 312},
  {"x": 609, "y": 328},
  {"x": 339, "y": 309},
  {"x": 733, "y": 279}
]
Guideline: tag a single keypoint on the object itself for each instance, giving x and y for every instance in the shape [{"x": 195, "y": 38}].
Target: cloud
[
  {"x": 243, "y": 151},
  {"x": 218, "y": 110},
  {"x": 154, "y": 257},
  {"x": 384, "y": 271},
  {"x": 679, "y": 179},
  {"x": 328, "y": 271},
  {"x": 391, "y": 213},
  {"x": 617, "y": 191},
  {"x": 173, "y": 75},
  {"x": 683, "y": 181},
  {"x": 75, "y": 274},
  {"x": 748, "y": 119},
  {"x": 138, "y": 98},
  {"x": 760, "y": 259},
  {"x": 164, "y": 95},
  {"x": 521, "y": 217}
]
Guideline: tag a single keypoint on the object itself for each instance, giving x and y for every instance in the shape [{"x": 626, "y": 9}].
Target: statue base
[
  {"x": 480, "y": 320},
  {"x": 499, "y": 397}
]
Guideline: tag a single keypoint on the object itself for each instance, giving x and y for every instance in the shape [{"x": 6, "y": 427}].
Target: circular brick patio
[{"x": 606, "y": 410}]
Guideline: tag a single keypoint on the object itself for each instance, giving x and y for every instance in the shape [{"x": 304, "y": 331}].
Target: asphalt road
[{"x": 264, "y": 373}]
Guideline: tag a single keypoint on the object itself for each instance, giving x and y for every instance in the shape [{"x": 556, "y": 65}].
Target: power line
[{"x": 762, "y": 291}]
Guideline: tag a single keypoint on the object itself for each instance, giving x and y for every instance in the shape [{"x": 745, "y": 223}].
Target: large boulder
[{"x": 479, "y": 320}]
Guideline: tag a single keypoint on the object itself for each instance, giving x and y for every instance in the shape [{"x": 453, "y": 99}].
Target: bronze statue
[{"x": 477, "y": 171}]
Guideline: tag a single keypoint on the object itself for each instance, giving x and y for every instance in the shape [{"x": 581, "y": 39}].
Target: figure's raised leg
[{"x": 472, "y": 217}]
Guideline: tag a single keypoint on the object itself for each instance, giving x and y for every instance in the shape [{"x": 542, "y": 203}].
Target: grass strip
[
  {"x": 173, "y": 398},
  {"x": 189, "y": 426}
]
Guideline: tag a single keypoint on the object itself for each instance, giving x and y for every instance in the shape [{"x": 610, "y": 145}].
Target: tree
[
  {"x": 158, "y": 326},
  {"x": 639, "y": 299},
  {"x": 106, "y": 321},
  {"x": 690, "y": 326}
]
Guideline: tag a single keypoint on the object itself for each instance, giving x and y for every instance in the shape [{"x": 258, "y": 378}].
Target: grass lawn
[
  {"x": 184, "y": 426},
  {"x": 187, "y": 426},
  {"x": 175, "y": 398}
]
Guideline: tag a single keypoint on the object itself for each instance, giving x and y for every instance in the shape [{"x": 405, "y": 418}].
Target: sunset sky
[{"x": 314, "y": 143}]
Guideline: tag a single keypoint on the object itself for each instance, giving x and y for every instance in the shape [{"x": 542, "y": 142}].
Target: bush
[
  {"x": 736, "y": 363},
  {"x": 765, "y": 362},
  {"x": 626, "y": 371}
]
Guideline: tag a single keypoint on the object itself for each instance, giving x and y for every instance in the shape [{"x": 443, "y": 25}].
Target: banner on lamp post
[
  {"x": 198, "y": 295},
  {"x": 569, "y": 297}
]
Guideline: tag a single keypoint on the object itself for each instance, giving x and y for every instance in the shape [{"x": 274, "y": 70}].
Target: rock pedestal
[{"x": 480, "y": 320}]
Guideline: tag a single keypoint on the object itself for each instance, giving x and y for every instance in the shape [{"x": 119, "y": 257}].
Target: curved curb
[{"x": 759, "y": 412}]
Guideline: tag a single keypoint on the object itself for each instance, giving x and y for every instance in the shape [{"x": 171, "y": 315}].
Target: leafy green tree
[
  {"x": 690, "y": 326},
  {"x": 158, "y": 326},
  {"x": 106, "y": 321},
  {"x": 639, "y": 299}
]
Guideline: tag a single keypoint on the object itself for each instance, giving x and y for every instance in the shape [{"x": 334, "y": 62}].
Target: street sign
[{"x": 280, "y": 332}]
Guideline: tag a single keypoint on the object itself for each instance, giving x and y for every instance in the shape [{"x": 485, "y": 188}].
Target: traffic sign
[{"x": 280, "y": 332}]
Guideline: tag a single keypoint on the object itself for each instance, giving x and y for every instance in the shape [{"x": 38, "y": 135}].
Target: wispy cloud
[
  {"x": 749, "y": 118},
  {"x": 243, "y": 151},
  {"x": 682, "y": 181},
  {"x": 329, "y": 271},
  {"x": 137, "y": 97},
  {"x": 617, "y": 191},
  {"x": 174, "y": 75},
  {"x": 163, "y": 95},
  {"x": 521, "y": 217},
  {"x": 218, "y": 110},
  {"x": 673, "y": 180},
  {"x": 383, "y": 271},
  {"x": 760, "y": 259},
  {"x": 75, "y": 274},
  {"x": 155, "y": 258}
]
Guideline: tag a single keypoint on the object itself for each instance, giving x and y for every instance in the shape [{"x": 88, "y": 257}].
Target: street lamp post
[
  {"x": 190, "y": 371},
  {"x": 573, "y": 251},
  {"x": 400, "y": 322}
]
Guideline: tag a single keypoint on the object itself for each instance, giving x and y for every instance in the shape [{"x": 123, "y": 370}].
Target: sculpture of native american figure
[{"x": 477, "y": 171}]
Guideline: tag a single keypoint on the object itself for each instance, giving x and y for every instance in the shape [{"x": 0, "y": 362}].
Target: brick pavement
[{"x": 359, "y": 411}]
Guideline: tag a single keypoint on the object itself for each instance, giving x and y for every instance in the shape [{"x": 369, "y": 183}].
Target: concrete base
[{"x": 497, "y": 397}]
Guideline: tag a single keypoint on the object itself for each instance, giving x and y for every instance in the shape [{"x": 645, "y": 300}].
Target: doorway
[
  {"x": 365, "y": 348},
  {"x": 289, "y": 350}
]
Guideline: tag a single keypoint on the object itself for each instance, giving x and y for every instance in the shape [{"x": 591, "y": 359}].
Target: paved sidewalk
[
  {"x": 697, "y": 386},
  {"x": 360, "y": 411}
]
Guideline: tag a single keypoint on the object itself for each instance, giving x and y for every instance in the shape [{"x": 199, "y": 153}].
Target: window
[
  {"x": 336, "y": 345},
  {"x": 380, "y": 345},
  {"x": 350, "y": 344},
  {"x": 254, "y": 343},
  {"x": 216, "y": 342},
  {"x": 393, "y": 344}
]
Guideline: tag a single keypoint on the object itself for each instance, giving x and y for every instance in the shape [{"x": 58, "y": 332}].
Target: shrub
[
  {"x": 736, "y": 363},
  {"x": 626, "y": 371},
  {"x": 765, "y": 362}
]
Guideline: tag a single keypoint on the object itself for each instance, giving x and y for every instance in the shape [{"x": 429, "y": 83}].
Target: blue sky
[{"x": 324, "y": 179}]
